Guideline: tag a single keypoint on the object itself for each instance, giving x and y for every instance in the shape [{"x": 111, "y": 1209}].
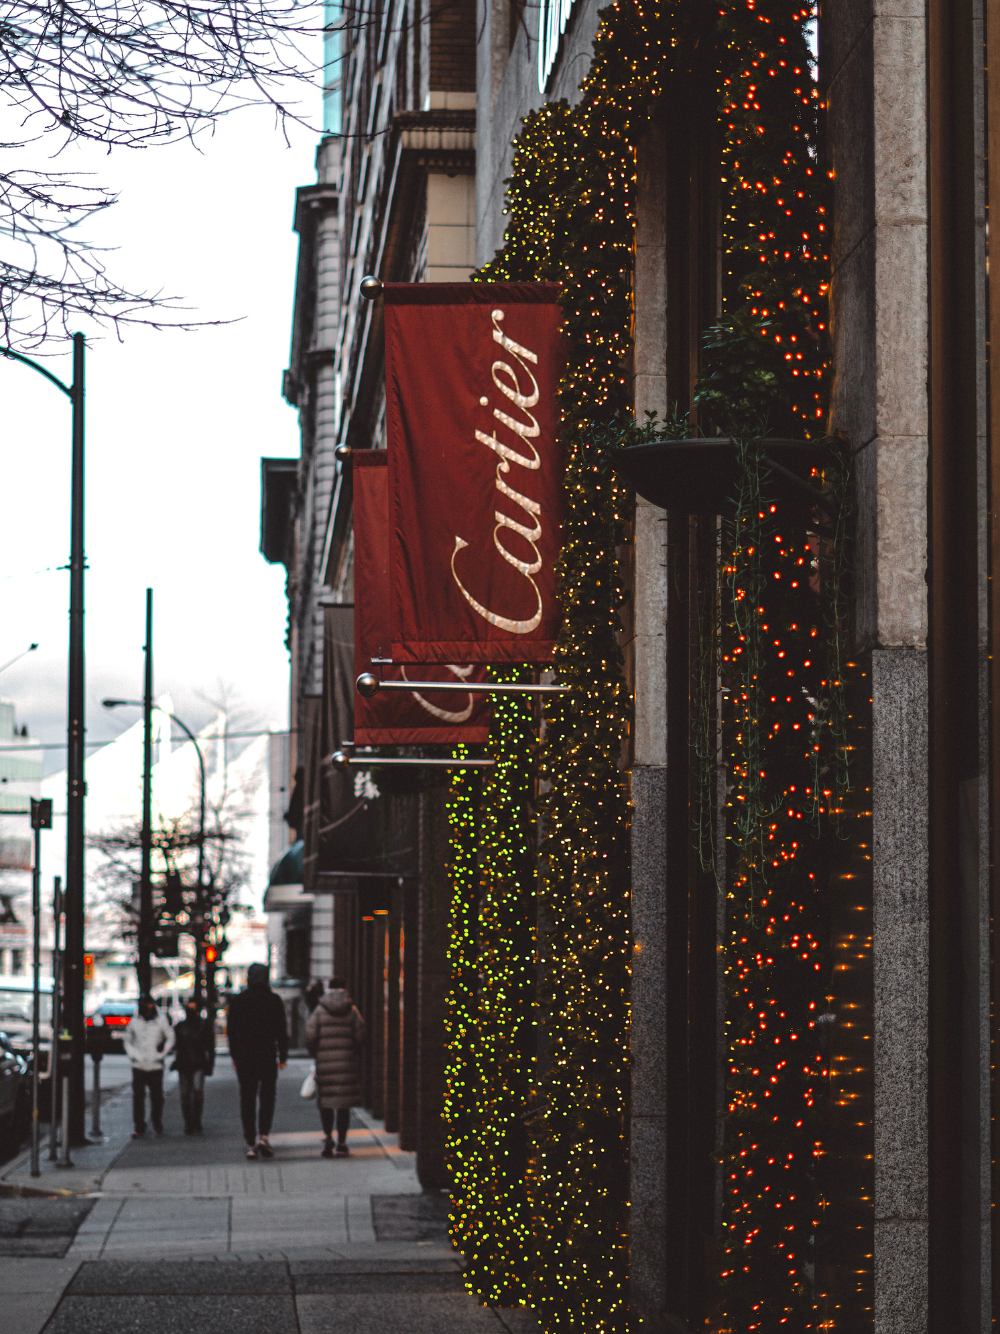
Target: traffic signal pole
[{"x": 144, "y": 966}]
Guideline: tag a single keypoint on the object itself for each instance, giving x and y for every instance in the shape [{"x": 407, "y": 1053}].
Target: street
[{"x": 184, "y": 1233}]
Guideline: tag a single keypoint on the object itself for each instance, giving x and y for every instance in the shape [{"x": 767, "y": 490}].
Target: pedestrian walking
[
  {"x": 334, "y": 1037},
  {"x": 148, "y": 1040},
  {"x": 194, "y": 1060},
  {"x": 258, "y": 1045}
]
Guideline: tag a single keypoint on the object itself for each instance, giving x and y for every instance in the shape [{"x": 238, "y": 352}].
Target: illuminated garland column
[
  {"x": 461, "y": 1002},
  {"x": 497, "y": 1240}
]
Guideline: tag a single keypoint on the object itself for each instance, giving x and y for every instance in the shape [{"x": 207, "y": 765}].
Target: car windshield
[{"x": 15, "y": 1008}]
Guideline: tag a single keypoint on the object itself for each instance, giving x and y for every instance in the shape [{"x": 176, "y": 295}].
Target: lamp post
[
  {"x": 75, "y": 732},
  {"x": 134, "y": 703}
]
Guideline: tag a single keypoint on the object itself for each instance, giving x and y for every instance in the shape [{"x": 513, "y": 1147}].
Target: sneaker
[
  {"x": 264, "y": 1147},
  {"x": 342, "y": 1150},
  {"x": 327, "y": 1149},
  {"x": 138, "y": 1134},
  {"x": 157, "y": 1130},
  {"x": 252, "y": 1152}
]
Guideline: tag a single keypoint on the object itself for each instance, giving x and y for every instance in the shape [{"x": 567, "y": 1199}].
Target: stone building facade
[{"x": 908, "y": 126}]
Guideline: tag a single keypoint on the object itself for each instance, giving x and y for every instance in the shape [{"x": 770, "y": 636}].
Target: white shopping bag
[{"x": 308, "y": 1089}]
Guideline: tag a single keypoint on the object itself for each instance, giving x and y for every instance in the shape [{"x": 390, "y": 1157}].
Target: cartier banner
[
  {"x": 475, "y": 470},
  {"x": 398, "y": 718}
]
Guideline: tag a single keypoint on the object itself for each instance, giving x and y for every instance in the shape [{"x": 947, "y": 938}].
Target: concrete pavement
[{"x": 185, "y": 1234}]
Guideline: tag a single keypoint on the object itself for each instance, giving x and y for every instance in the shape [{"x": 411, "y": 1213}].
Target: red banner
[
  {"x": 475, "y": 470},
  {"x": 397, "y": 717}
]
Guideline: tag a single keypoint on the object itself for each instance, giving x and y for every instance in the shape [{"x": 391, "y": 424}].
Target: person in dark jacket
[
  {"x": 194, "y": 1058},
  {"x": 334, "y": 1038},
  {"x": 258, "y": 1045}
]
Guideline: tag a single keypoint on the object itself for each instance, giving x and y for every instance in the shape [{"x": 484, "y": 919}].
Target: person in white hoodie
[{"x": 148, "y": 1039}]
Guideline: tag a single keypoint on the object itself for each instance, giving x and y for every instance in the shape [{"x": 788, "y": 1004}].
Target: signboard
[
  {"x": 475, "y": 470},
  {"x": 398, "y": 717}
]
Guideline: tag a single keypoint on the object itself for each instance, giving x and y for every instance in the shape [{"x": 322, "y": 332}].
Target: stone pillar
[
  {"x": 646, "y": 663},
  {"x": 875, "y": 70}
]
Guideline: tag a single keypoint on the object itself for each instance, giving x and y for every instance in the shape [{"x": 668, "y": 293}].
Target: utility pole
[
  {"x": 75, "y": 786},
  {"x": 144, "y": 968},
  {"x": 75, "y": 737}
]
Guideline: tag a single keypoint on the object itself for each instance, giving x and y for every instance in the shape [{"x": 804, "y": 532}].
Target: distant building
[
  {"x": 238, "y": 779},
  {"x": 20, "y": 780}
]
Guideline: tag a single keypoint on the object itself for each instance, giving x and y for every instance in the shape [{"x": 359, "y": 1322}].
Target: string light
[{"x": 558, "y": 1241}]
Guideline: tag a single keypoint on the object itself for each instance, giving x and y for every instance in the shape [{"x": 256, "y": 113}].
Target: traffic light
[
  {"x": 211, "y": 954},
  {"x": 88, "y": 968},
  {"x": 173, "y": 894}
]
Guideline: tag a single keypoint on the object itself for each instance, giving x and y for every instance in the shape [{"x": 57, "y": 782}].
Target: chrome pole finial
[{"x": 368, "y": 685}]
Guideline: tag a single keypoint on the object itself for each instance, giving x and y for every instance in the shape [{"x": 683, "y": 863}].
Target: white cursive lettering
[
  {"x": 502, "y": 622},
  {"x": 505, "y": 378}
]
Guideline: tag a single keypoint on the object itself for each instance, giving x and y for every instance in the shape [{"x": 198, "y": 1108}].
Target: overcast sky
[{"x": 176, "y": 425}]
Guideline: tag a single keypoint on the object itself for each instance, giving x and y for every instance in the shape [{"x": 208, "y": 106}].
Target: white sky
[{"x": 176, "y": 425}]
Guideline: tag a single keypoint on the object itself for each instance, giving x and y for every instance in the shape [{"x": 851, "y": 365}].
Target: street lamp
[
  {"x": 75, "y": 731},
  {"x": 17, "y": 657},
  {"x": 145, "y": 926}
]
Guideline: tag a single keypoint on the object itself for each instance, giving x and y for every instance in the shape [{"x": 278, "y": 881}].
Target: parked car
[
  {"x": 15, "y": 1096},
  {"x": 15, "y": 1018},
  {"x": 113, "y": 1016}
]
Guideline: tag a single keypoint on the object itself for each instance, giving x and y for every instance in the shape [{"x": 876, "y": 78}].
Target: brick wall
[{"x": 453, "y": 46}]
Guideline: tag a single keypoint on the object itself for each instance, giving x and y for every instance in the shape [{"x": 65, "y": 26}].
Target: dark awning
[{"x": 287, "y": 870}]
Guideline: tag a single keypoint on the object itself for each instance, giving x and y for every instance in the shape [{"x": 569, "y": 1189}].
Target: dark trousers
[
  {"x": 257, "y": 1081},
  {"x": 343, "y": 1121},
  {"x": 141, "y": 1081},
  {"x": 192, "y": 1085}
]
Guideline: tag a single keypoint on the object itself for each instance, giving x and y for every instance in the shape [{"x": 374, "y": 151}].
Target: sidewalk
[{"x": 184, "y": 1234}]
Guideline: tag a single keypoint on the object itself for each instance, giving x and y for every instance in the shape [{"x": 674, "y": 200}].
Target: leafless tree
[{"x": 123, "y": 74}]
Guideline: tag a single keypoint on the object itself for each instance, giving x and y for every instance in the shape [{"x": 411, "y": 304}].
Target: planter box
[{"x": 701, "y": 475}]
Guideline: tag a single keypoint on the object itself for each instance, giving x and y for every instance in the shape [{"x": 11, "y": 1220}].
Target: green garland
[
  {"x": 491, "y": 1221},
  {"x": 571, "y": 220},
  {"x": 461, "y": 999}
]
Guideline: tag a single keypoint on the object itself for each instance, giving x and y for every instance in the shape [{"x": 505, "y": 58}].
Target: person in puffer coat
[
  {"x": 334, "y": 1038},
  {"x": 148, "y": 1039}
]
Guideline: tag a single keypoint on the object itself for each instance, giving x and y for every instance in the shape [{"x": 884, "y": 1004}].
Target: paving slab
[
  {"x": 412, "y": 1313},
  {"x": 375, "y": 1284},
  {"x": 379, "y": 1263},
  {"x": 116, "y": 1278},
  {"x": 411, "y": 1217},
  {"x": 203, "y": 1314},
  {"x": 39, "y": 1226}
]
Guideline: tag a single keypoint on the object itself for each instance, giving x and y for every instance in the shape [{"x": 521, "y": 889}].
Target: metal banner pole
[
  {"x": 342, "y": 760},
  {"x": 369, "y": 685}
]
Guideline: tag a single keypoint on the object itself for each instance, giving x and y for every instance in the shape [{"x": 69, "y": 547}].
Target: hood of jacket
[{"x": 336, "y": 1002}]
